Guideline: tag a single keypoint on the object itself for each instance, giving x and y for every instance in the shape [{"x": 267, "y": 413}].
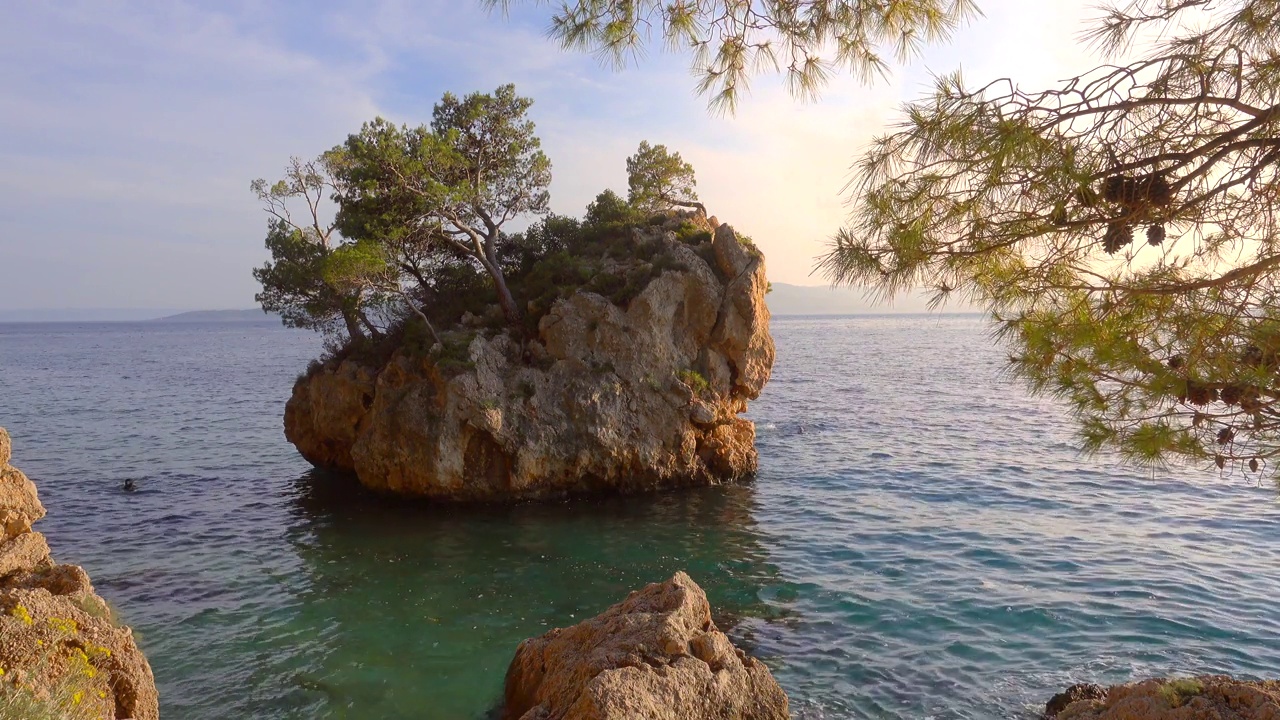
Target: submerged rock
[
  {"x": 654, "y": 656},
  {"x": 607, "y": 394},
  {"x": 1209, "y": 697},
  {"x": 59, "y": 645}
]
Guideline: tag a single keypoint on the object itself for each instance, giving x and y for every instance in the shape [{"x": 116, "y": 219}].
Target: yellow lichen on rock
[
  {"x": 1209, "y": 697},
  {"x": 61, "y": 655}
]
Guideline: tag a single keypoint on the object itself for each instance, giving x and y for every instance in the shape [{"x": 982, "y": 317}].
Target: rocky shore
[
  {"x": 609, "y": 393},
  {"x": 656, "y": 655},
  {"x": 1209, "y": 697},
  {"x": 61, "y": 653}
]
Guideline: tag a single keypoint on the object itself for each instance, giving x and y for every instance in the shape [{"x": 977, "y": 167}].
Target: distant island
[
  {"x": 786, "y": 299},
  {"x": 133, "y": 315},
  {"x": 206, "y": 316},
  {"x": 783, "y": 300}
]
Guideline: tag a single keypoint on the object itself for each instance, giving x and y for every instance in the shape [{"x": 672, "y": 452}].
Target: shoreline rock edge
[
  {"x": 656, "y": 655},
  {"x": 54, "y": 629},
  {"x": 1206, "y": 697}
]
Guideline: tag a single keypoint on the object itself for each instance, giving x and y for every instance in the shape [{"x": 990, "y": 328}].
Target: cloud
[
  {"x": 125, "y": 172},
  {"x": 132, "y": 130}
]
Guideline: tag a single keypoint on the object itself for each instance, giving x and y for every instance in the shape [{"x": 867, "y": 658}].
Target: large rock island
[
  {"x": 61, "y": 653},
  {"x": 630, "y": 374}
]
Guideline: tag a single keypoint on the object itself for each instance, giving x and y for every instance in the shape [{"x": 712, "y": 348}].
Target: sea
[{"x": 923, "y": 539}]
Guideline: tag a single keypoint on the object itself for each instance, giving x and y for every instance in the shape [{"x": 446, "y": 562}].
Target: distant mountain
[
  {"x": 204, "y": 316},
  {"x": 785, "y": 299},
  {"x": 826, "y": 300},
  {"x": 82, "y": 315}
]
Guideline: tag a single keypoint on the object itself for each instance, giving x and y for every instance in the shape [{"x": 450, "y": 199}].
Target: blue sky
[{"x": 130, "y": 131}]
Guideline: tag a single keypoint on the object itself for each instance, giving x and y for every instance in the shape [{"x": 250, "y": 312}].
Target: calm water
[{"x": 922, "y": 539}]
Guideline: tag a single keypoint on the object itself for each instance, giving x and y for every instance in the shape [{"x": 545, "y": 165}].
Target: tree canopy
[
  {"x": 418, "y": 238},
  {"x": 293, "y": 282},
  {"x": 1120, "y": 226},
  {"x": 730, "y": 40},
  {"x": 658, "y": 180},
  {"x": 449, "y": 188},
  {"x": 411, "y": 206}
]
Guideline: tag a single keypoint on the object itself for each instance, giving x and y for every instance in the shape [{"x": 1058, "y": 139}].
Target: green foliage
[
  {"x": 666, "y": 261},
  {"x": 300, "y": 242},
  {"x": 1120, "y": 227},
  {"x": 293, "y": 281},
  {"x": 695, "y": 381},
  {"x": 729, "y": 40},
  {"x": 436, "y": 194},
  {"x": 77, "y": 689},
  {"x": 691, "y": 234},
  {"x": 749, "y": 245},
  {"x": 356, "y": 264},
  {"x": 554, "y": 277},
  {"x": 552, "y": 234},
  {"x": 1178, "y": 692},
  {"x": 658, "y": 180},
  {"x": 418, "y": 235},
  {"x": 608, "y": 259},
  {"x": 609, "y": 208},
  {"x": 455, "y": 355},
  {"x": 416, "y": 340}
]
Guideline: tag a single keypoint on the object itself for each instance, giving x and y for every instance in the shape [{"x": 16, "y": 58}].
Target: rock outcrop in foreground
[
  {"x": 654, "y": 656},
  {"x": 607, "y": 394},
  {"x": 60, "y": 653},
  {"x": 1211, "y": 697}
]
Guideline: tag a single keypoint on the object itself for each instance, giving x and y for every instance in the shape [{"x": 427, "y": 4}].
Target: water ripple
[{"x": 923, "y": 540}]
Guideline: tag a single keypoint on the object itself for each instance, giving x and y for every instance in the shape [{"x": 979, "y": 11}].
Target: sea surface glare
[{"x": 923, "y": 539}]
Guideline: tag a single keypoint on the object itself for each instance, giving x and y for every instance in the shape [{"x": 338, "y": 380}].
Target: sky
[{"x": 130, "y": 131}]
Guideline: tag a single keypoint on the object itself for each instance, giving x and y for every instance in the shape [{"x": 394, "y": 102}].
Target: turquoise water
[{"x": 922, "y": 541}]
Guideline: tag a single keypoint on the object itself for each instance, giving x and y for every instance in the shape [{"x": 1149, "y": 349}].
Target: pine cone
[
  {"x": 1118, "y": 235},
  {"x": 1155, "y": 235},
  {"x": 1118, "y": 189},
  {"x": 1200, "y": 394},
  {"x": 1231, "y": 394},
  {"x": 1157, "y": 191}
]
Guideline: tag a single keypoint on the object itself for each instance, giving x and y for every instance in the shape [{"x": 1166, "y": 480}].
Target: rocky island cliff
[
  {"x": 61, "y": 652},
  {"x": 639, "y": 356}
]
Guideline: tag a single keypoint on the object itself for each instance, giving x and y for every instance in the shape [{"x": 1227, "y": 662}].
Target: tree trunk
[
  {"x": 421, "y": 316},
  {"x": 368, "y": 324},
  {"x": 691, "y": 204},
  {"x": 353, "y": 325},
  {"x": 508, "y": 303},
  {"x": 505, "y": 299}
]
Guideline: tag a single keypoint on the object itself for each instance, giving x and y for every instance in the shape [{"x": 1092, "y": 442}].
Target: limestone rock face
[
  {"x": 19, "y": 506},
  {"x": 604, "y": 398},
  {"x": 654, "y": 656},
  {"x": 57, "y": 637},
  {"x": 1210, "y": 697}
]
